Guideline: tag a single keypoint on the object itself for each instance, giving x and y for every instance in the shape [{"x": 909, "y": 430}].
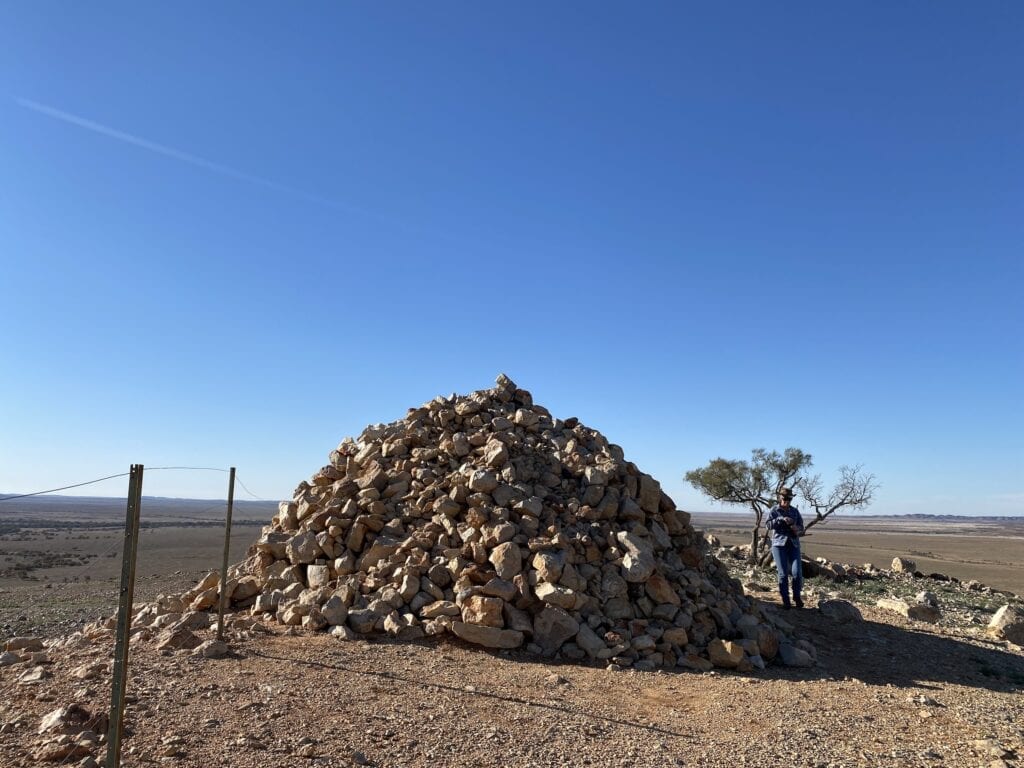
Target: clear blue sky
[{"x": 234, "y": 234}]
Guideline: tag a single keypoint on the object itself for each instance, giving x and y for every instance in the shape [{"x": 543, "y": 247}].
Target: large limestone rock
[
  {"x": 914, "y": 611},
  {"x": 1008, "y": 624},
  {"x": 485, "y": 517},
  {"x": 840, "y": 611},
  {"x": 723, "y": 653},
  {"x": 488, "y": 637},
  {"x": 903, "y": 565},
  {"x": 795, "y": 657},
  {"x": 552, "y": 627}
]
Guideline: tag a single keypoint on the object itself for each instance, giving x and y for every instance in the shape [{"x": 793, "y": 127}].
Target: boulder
[
  {"x": 552, "y": 627},
  {"x": 24, "y": 644},
  {"x": 924, "y": 612},
  {"x": 676, "y": 636},
  {"x": 639, "y": 563},
  {"x": 507, "y": 559},
  {"x": 485, "y": 611},
  {"x": 794, "y": 657},
  {"x": 211, "y": 649},
  {"x": 177, "y": 639},
  {"x": 1008, "y": 624},
  {"x": 488, "y": 637},
  {"x": 903, "y": 565},
  {"x": 840, "y": 611},
  {"x": 303, "y": 548},
  {"x": 73, "y": 718},
  {"x": 724, "y": 653},
  {"x": 913, "y": 611}
]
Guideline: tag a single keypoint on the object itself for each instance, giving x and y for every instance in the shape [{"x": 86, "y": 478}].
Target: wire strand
[
  {"x": 204, "y": 469},
  {"x": 125, "y": 474},
  {"x": 64, "y": 488},
  {"x": 258, "y": 498}
]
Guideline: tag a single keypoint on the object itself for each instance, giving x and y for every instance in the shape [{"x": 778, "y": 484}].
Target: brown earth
[{"x": 885, "y": 692}]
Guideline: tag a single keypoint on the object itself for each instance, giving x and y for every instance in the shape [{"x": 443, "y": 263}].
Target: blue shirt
[{"x": 780, "y": 533}]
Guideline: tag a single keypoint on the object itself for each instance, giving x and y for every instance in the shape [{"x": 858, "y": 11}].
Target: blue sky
[{"x": 233, "y": 235}]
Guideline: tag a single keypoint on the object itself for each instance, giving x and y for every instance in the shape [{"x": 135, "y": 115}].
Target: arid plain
[
  {"x": 986, "y": 549},
  {"x": 60, "y": 556}
]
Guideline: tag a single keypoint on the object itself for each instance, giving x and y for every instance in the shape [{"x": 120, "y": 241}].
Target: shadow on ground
[
  {"x": 881, "y": 654},
  {"x": 872, "y": 652},
  {"x": 462, "y": 691}
]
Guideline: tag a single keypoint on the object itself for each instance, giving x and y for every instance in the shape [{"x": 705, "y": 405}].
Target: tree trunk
[{"x": 755, "y": 541}]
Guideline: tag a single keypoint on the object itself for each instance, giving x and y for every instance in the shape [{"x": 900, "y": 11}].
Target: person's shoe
[{"x": 799, "y": 603}]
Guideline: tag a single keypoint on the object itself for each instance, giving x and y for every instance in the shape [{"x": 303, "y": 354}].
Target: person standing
[{"x": 785, "y": 528}]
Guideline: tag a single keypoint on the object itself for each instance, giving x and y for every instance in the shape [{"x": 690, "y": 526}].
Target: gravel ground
[{"x": 885, "y": 692}]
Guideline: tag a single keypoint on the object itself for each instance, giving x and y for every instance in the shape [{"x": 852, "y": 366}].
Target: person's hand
[{"x": 787, "y": 520}]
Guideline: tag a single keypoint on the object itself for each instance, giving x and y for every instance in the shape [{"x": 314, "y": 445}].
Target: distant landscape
[
  {"x": 60, "y": 555},
  {"x": 986, "y": 549}
]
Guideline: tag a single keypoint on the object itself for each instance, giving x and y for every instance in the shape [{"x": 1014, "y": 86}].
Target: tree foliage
[
  {"x": 854, "y": 490},
  {"x": 757, "y": 482}
]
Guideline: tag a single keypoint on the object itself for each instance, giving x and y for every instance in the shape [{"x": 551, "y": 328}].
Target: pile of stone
[{"x": 485, "y": 517}]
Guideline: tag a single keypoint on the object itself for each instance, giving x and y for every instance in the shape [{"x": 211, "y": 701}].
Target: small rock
[
  {"x": 903, "y": 565},
  {"x": 23, "y": 644},
  {"x": 33, "y": 676},
  {"x": 991, "y": 748},
  {"x": 840, "y": 611},
  {"x": 794, "y": 657},
  {"x": 211, "y": 649}
]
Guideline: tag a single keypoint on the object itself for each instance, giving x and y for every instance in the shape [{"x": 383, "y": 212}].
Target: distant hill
[
  {"x": 153, "y": 508},
  {"x": 917, "y": 516}
]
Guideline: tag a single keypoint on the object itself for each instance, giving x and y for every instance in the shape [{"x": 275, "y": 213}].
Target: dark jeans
[{"x": 787, "y": 562}]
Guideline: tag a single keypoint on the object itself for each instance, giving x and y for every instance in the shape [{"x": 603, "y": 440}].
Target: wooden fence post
[
  {"x": 224, "y": 563},
  {"x": 124, "y": 617}
]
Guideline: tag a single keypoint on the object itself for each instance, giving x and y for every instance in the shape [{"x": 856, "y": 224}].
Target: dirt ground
[{"x": 884, "y": 693}]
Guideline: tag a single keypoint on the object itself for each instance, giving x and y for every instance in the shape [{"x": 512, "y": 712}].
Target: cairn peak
[{"x": 485, "y": 517}]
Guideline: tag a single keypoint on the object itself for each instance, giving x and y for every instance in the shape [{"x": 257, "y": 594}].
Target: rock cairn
[{"x": 485, "y": 517}]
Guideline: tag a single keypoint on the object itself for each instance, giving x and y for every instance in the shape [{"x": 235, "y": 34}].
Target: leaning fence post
[
  {"x": 124, "y": 617},
  {"x": 224, "y": 563}
]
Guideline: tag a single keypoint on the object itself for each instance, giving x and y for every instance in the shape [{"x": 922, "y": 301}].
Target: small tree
[
  {"x": 757, "y": 483},
  {"x": 855, "y": 490}
]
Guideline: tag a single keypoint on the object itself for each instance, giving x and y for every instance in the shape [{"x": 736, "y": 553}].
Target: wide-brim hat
[{"x": 786, "y": 493}]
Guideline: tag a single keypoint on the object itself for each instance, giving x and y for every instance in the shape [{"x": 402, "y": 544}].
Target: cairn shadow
[
  {"x": 878, "y": 654},
  {"x": 419, "y": 681}
]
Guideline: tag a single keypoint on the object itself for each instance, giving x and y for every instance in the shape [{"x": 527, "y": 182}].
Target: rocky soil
[{"x": 885, "y": 691}]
